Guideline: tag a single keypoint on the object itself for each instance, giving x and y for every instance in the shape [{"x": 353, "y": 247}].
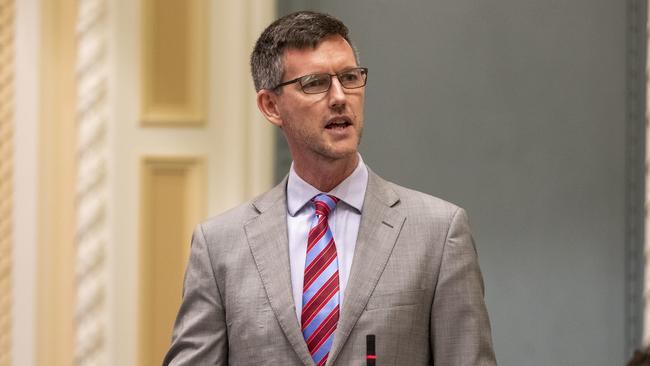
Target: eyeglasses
[{"x": 320, "y": 83}]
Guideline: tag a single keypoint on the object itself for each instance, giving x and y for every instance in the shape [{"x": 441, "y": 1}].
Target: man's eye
[
  {"x": 314, "y": 82},
  {"x": 349, "y": 76}
]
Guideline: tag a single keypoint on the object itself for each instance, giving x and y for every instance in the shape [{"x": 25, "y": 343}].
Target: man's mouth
[{"x": 335, "y": 123}]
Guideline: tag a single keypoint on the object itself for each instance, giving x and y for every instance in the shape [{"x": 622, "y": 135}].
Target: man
[{"x": 334, "y": 261}]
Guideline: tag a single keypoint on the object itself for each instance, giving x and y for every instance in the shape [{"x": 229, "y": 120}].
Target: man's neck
[{"x": 325, "y": 175}]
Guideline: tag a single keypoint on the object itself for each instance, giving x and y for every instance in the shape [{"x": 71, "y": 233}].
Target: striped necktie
[{"x": 320, "y": 298}]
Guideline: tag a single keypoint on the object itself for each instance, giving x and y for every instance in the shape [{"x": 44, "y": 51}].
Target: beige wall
[
  {"x": 227, "y": 135},
  {"x": 177, "y": 165}
]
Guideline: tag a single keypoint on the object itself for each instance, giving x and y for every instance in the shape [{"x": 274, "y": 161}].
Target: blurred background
[{"x": 124, "y": 123}]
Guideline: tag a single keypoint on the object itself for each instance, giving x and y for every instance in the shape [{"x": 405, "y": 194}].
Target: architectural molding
[
  {"x": 234, "y": 145},
  {"x": 249, "y": 143},
  {"x": 173, "y": 58},
  {"x": 92, "y": 187},
  {"x": 172, "y": 202},
  {"x": 7, "y": 15}
]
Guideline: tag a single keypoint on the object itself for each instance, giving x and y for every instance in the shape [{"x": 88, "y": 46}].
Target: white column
[
  {"x": 25, "y": 176},
  {"x": 91, "y": 194}
]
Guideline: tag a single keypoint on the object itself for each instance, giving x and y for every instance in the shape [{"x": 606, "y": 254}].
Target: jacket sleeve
[
  {"x": 460, "y": 328},
  {"x": 200, "y": 334}
]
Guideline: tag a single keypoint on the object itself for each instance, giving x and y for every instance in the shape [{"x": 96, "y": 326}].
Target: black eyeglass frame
[{"x": 364, "y": 72}]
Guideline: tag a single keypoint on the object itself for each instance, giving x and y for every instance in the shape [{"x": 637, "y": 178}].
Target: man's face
[{"x": 326, "y": 125}]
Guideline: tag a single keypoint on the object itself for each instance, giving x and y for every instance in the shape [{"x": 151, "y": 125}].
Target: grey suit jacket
[{"x": 415, "y": 284}]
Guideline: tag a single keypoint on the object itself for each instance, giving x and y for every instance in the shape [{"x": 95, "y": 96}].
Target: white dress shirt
[{"x": 343, "y": 221}]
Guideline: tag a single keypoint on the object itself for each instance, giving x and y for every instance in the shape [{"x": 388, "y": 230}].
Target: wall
[
  {"x": 515, "y": 110},
  {"x": 107, "y": 188}
]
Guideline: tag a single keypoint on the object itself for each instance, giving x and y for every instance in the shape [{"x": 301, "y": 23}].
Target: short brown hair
[{"x": 297, "y": 30}]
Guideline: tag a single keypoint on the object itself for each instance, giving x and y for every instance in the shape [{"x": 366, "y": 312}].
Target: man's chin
[{"x": 337, "y": 155}]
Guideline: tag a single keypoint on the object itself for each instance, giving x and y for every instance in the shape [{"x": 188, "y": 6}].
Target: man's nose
[{"x": 336, "y": 94}]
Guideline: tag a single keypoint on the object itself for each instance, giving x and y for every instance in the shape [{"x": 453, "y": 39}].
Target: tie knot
[{"x": 324, "y": 204}]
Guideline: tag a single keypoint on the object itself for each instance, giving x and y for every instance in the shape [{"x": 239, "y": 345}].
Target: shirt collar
[{"x": 352, "y": 190}]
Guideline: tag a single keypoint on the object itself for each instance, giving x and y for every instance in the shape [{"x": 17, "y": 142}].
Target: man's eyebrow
[{"x": 345, "y": 69}]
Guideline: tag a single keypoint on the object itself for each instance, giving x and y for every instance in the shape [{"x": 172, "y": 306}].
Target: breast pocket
[{"x": 394, "y": 299}]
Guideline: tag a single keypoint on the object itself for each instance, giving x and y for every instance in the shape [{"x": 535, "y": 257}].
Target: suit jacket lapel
[
  {"x": 267, "y": 238},
  {"x": 378, "y": 231}
]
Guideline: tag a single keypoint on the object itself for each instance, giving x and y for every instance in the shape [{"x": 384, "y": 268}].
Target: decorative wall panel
[
  {"x": 56, "y": 224},
  {"x": 173, "y": 62},
  {"x": 172, "y": 194}
]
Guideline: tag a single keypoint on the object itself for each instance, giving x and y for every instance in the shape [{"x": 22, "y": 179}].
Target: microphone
[{"x": 371, "y": 357}]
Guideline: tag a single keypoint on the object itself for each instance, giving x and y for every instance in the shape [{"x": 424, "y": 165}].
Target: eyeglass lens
[{"x": 319, "y": 83}]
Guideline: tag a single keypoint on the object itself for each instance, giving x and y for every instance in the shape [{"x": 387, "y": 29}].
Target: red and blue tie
[{"x": 320, "y": 298}]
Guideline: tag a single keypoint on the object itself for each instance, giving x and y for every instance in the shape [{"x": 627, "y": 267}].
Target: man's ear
[{"x": 267, "y": 102}]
